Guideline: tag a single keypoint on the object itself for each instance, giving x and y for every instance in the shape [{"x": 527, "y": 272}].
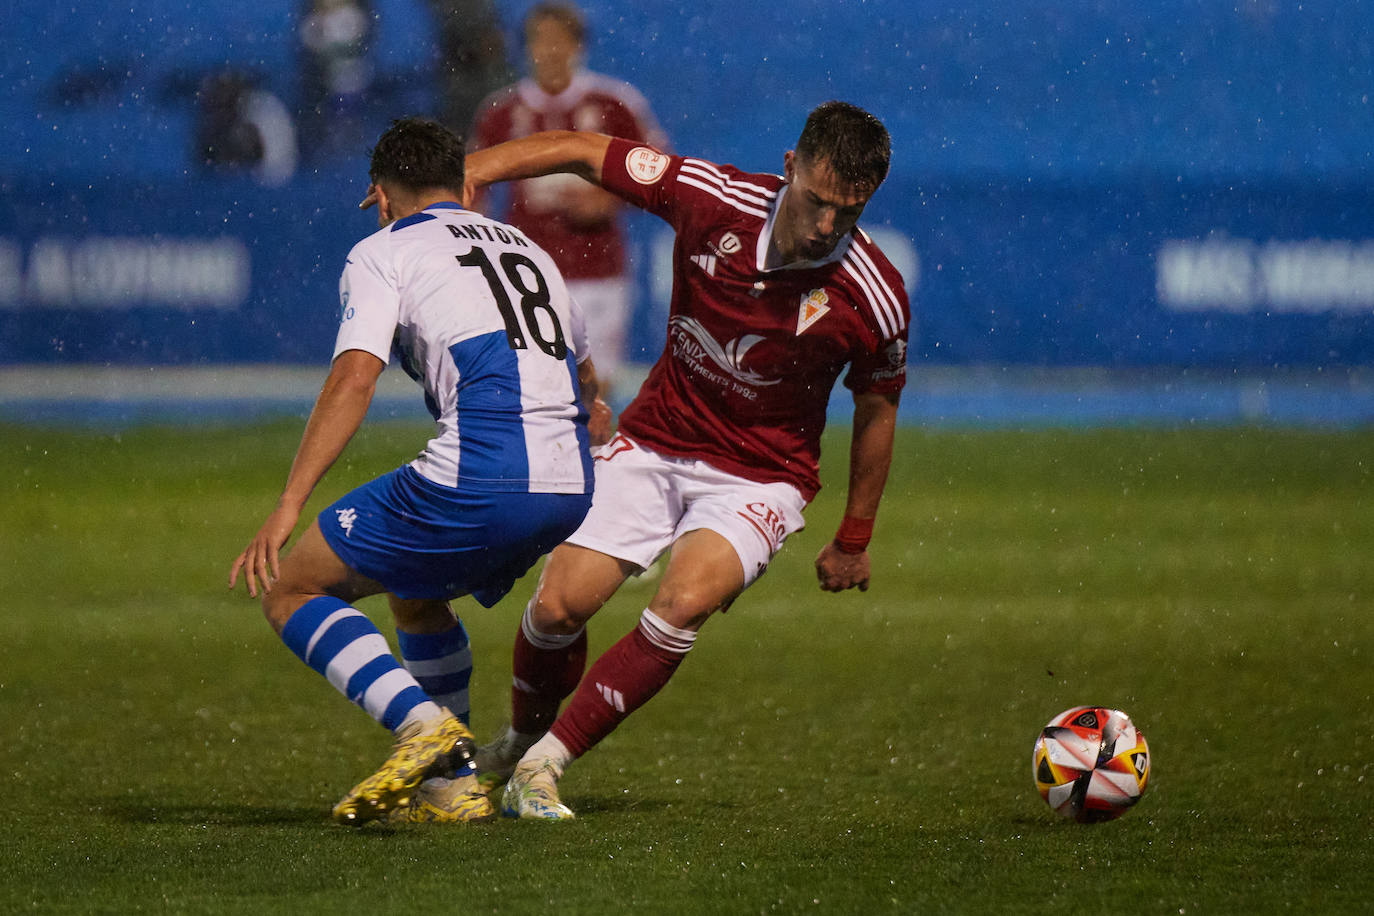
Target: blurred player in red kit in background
[
  {"x": 776, "y": 294},
  {"x": 573, "y": 220}
]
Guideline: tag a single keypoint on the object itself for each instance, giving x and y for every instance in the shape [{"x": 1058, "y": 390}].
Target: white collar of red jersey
[
  {"x": 535, "y": 97},
  {"x": 766, "y": 242}
]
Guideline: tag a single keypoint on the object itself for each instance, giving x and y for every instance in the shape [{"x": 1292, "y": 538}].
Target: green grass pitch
[{"x": 161, "y": 751}]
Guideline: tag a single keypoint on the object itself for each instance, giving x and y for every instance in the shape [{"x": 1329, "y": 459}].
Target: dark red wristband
[{"x": 854, "y": 534}]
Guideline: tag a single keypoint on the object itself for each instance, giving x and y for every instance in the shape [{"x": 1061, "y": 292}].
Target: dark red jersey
[
  {"x": 752, "y": 354},
  {"x": 591, "y": 103}
]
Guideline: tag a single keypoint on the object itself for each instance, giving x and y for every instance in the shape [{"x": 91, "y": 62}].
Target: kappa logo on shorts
[{"x": 346, "y": 519}]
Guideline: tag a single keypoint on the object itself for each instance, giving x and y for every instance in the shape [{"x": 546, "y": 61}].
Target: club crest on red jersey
[{"x": 813, "y": 308}]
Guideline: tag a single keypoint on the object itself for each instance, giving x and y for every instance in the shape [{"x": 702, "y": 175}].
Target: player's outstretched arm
[
  {"x": 843, "y": 563},
  {"x": 338, "y": 412},
  {"x": 547, "y": 153}
]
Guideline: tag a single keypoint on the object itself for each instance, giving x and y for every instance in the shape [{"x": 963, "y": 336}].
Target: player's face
[
  {"x": 818, "y": 211},
  {"x": 553, "y": 52}
]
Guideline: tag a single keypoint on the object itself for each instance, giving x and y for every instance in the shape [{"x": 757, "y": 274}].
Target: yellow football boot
[
  {"x": 423, "y": 749},
  {"x": 446, "y": 801}
]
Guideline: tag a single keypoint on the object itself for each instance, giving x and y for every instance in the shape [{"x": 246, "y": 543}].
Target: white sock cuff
[
  {"x": 423, "y": 712},
  {"x": 541, "y": 640},
  {"x": 549, "y": 749},
  {"x": 664, "y": 634}
]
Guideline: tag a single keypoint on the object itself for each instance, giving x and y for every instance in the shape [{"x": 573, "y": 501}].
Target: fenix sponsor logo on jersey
[{"x": 695, "y": 346}]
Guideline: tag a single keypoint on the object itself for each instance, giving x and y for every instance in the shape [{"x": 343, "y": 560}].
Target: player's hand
[
  {"x": 838, "y": 570},
  {"x": 472, "y": 191},
  {"x": 600, "y": 423},
  {"x": 260, "y": 560},
  {"x": 370, "y": 200}
]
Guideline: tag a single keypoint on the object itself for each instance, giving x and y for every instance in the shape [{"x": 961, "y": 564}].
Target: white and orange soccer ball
[{"x": 1091, "y": 763}]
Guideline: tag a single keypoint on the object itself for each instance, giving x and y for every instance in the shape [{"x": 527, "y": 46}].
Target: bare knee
[
  {"x": 414, "y": 615},
  {"x": 287, "y": 595},
  {"x": 686, "y": 604},
  {"x": 278, "y": 605},
  {"x": 575, "y": 583},
  {"x": 312, "y": 570},
  {"x": 704, "y": 575},
  {"x": 556, "y": 612}
]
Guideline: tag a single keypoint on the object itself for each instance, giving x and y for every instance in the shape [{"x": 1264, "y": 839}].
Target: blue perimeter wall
[
  {"x": 1186, "y": 186},
  {"x": 1015, "y": 275}
]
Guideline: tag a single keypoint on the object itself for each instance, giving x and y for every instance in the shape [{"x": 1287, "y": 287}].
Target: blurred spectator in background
[
  {"x": 473, "y": 61},
  {"x": 242, "y": 127},
  {"x": 337, "y": 72},
  {"x": 574, "y": 220}
]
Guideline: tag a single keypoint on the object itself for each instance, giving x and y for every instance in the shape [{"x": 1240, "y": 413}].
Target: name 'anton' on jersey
[{"x": 481, "y": 318}]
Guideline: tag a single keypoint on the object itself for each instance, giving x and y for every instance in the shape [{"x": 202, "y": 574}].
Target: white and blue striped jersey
[{"x": 482, "y": 319}]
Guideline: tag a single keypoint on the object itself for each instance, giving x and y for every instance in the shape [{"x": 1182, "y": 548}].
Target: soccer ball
[{"x": 1091, "y": 763}]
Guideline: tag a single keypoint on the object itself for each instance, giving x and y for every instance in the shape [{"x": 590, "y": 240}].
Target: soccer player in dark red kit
[
  {"x": 776, "y": 293},
  {"x": 574, "y": 221}
]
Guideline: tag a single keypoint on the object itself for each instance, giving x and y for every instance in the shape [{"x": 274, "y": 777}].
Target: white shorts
[
  {"x": 645, "y": 501},
  {"x": 606, "y": 309}
]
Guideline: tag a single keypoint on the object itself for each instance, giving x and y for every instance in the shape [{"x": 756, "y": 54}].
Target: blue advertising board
[{"x": 1144, "y": 274}]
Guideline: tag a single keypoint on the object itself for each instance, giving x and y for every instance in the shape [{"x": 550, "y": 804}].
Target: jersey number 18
[{"x": 534, "y": 302}]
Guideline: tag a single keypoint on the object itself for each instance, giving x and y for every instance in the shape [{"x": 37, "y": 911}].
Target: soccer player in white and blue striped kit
[{"x": 481, "y": 318}]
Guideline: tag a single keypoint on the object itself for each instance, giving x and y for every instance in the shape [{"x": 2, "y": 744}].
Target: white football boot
[{"x": 532, "y": 792}]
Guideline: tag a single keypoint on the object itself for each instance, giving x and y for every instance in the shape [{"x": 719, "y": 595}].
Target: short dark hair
[
  {"x": 417, "y": 153},
  {"x": 568, "y": 15},
  {"x": 851, "y": 141}
]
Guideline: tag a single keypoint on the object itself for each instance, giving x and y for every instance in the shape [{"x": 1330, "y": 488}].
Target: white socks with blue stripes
[{"x": 343, "y": 645}]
